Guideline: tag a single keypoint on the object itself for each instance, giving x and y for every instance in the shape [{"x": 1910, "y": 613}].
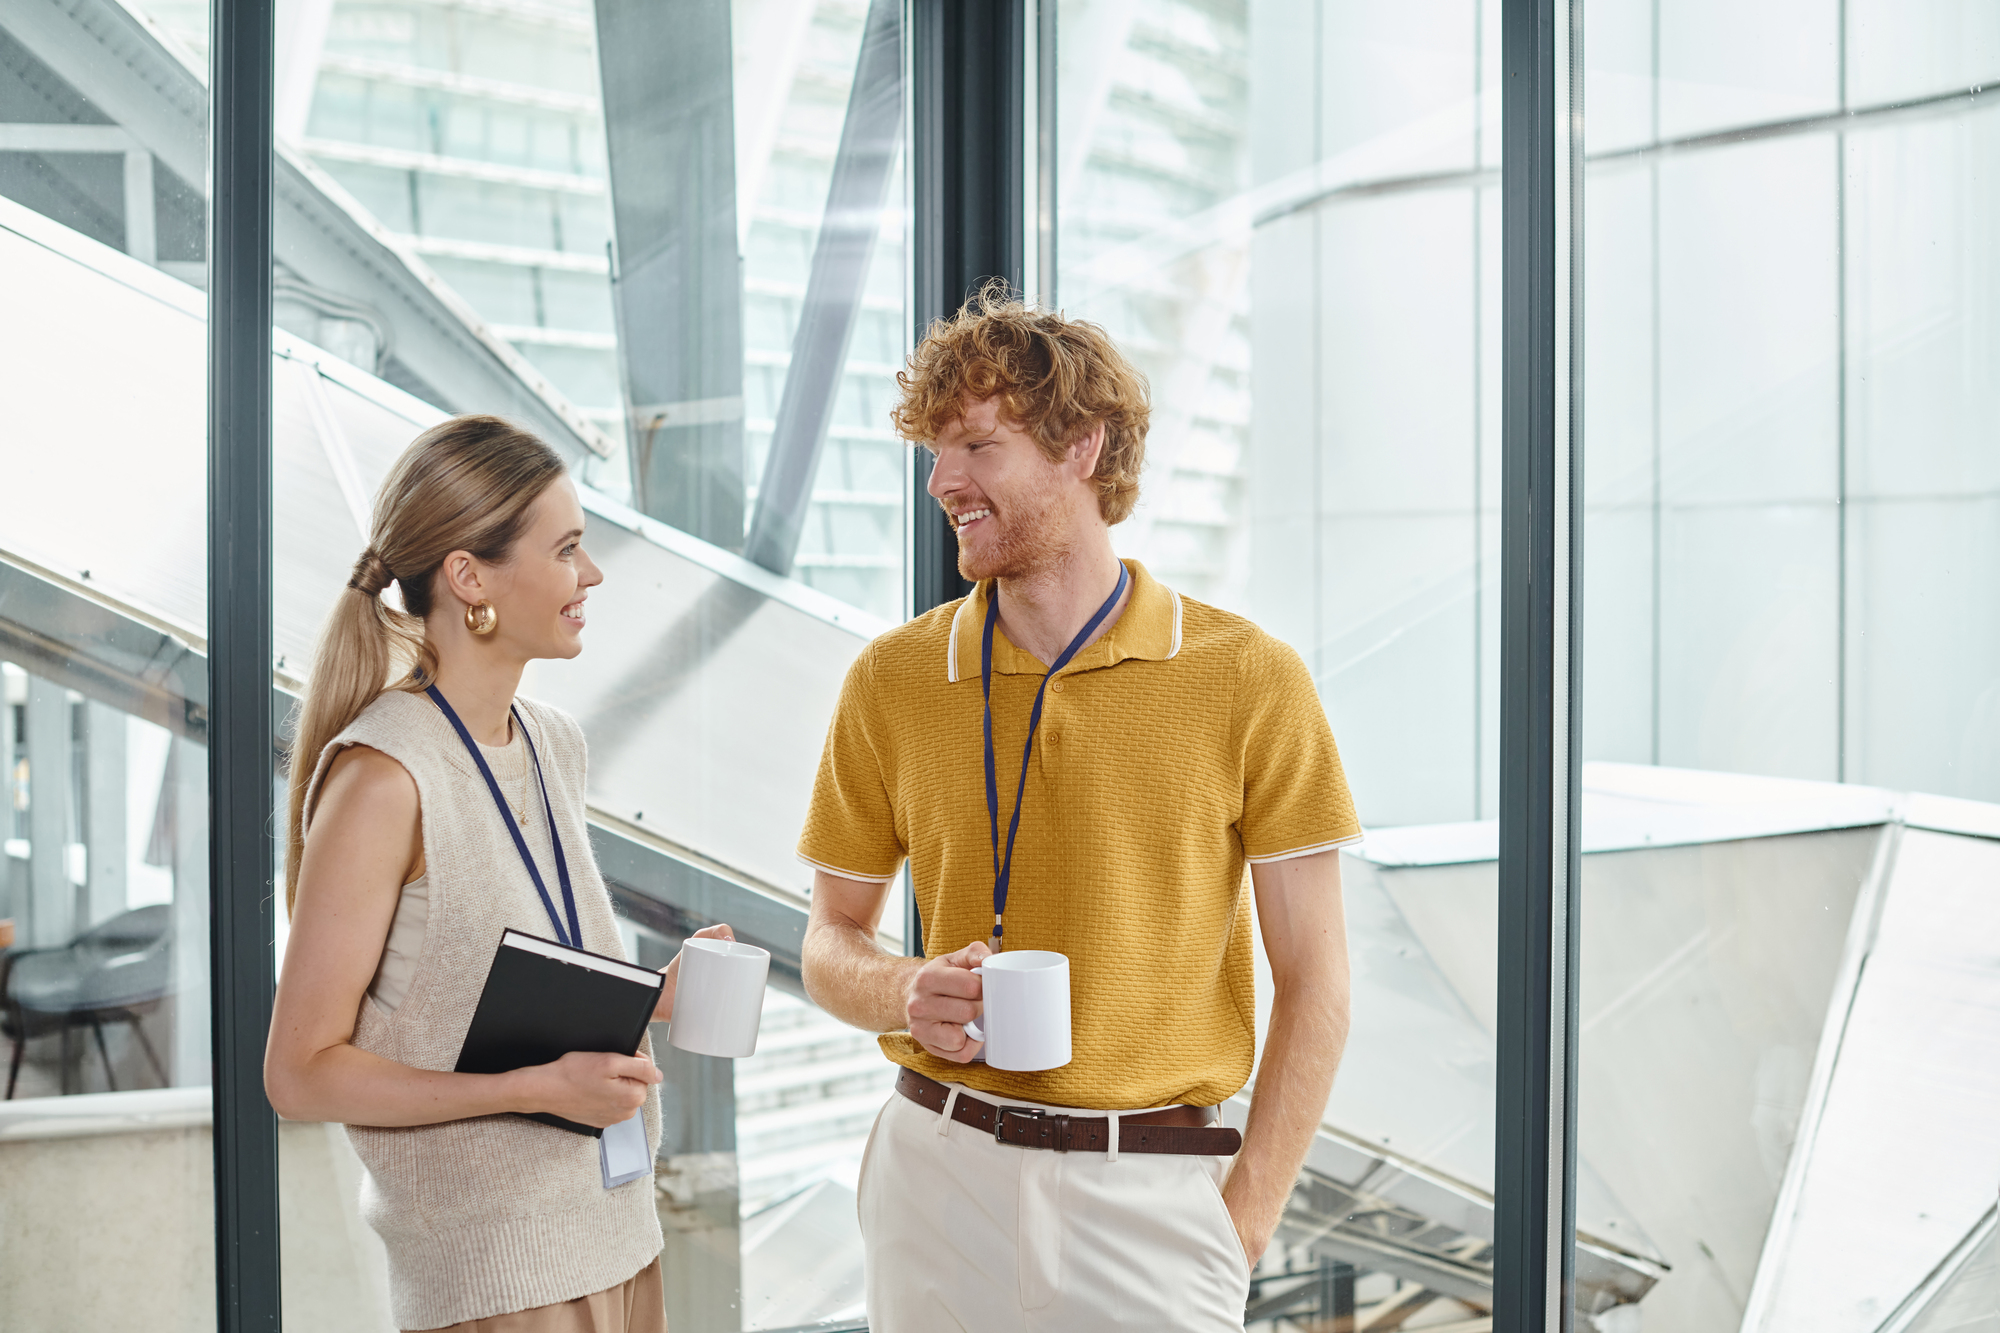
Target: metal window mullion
[
  {"x": 967, "y": 89},
  {"x": 1541, "y": 547},
  {"x": 968, "y": 82},
  {"x": 240, "y": 733}
]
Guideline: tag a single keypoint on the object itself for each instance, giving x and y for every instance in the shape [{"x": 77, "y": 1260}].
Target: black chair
[{"x": 116, "y": 972}]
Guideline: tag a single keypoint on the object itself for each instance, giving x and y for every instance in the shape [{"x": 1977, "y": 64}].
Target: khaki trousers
[
  {"x": 636, "y": 1305},
  {"x": 963, "y": 1233}
]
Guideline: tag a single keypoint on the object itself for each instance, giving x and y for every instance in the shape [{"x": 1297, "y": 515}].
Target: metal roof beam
[{"x": 139, "y": 76}]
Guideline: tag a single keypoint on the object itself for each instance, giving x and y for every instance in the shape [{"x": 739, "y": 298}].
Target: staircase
[{"x": 806, "y": 1101}]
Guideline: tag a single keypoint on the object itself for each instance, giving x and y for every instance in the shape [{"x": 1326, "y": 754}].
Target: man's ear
[{"x": 1087, "y": 448}]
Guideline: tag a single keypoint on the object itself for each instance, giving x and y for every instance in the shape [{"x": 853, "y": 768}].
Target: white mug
[
  {"x": 719, "y": 997},
  {"x": 1026, "y": 999}
]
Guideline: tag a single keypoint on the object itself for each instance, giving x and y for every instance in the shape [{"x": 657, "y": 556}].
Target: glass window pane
[
  {"x": 1781, "y": 59},
  {"x": 104, "y": 855},
  {"x": 1286, "y": 213},
  {"x": 1902, "y": 50},
  {"x": 661, "y": 248},
  {"x": 1788, "y": 708},
  {"x": 476, "y": 139}
]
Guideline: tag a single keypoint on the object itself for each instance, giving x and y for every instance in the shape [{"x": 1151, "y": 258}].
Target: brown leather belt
[{"x": 1183, "y": 1130}]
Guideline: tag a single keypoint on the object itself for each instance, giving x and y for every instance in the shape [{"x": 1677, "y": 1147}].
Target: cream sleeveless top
[
  {"x": 493, "y": 1215},
  {"x": 513, "y": 770}
]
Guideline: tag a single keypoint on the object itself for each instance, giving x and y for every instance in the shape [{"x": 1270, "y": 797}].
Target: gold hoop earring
[{"x": 481, "y": 618}]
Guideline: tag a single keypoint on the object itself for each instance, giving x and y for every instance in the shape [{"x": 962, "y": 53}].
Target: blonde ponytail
[{"x": 464, "y": 485}]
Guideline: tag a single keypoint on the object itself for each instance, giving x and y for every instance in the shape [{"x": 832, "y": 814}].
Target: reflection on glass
[
  {"x": 104, "y": 859},
  {"x": 684, "y": 242},
  {"x": 1793, "y": 517},
  {"x": 506, "y": 158},
  {"x": 1793, "y": 505},
  {"x": 538, "y": 176},
  {"x": 106, "y": 868},
  {"x": 1288, "y": 214},
  {"x": 758, "y": 1161},
  {"x": 804, "y": 1106}
]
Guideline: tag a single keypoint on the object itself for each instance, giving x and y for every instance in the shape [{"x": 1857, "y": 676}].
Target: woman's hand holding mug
[
  {"x": 664, "y": 1010},
  {"x": 598, "y": 1089}
]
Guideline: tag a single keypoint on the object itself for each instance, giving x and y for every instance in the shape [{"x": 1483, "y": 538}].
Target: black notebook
[{"x": 543, "y": 1000}]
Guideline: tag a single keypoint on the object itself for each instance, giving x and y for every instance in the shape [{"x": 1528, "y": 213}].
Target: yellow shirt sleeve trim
[
  {"x": 851, "y": 874},
  {"x": 1313, "y": 850}
]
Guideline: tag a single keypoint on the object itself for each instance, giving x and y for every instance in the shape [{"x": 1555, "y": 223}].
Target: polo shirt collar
[{"x": 1149, "y": 630}]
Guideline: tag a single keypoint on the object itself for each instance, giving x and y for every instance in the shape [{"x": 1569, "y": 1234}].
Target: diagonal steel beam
[
  {"x": 676, "y": 277},
  {"x": 853, "y": 219}
]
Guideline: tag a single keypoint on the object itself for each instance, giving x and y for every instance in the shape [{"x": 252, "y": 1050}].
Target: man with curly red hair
[{"x": 1163, "y": 746}]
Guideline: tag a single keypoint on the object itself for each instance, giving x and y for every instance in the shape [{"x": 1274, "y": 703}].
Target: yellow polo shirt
[{"x": 1181, "y": 745}]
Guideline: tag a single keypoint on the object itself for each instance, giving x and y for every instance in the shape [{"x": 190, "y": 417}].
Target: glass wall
[
  {"x": 484, "y": 144},
  {"x": 710, "y": 679},
  {"x": 1319, "y": 319},
  {"x": 509, "y": 158},
  {"x": 1287, "y": 212},
  {"x": 798, "y": 1115},
  {"x": 502, "y": 168},
  {"x": 1791, "y": 308},
  {"x": 104, "y": 892}
]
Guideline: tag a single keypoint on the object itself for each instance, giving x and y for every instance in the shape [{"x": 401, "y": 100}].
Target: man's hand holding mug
[
  {"x": 1010, "y": 1009},
  {"x": 942, "y": 998}
]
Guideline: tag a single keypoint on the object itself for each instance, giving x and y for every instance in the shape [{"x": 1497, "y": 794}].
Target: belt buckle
[{"x": 1000, "y": 1120}]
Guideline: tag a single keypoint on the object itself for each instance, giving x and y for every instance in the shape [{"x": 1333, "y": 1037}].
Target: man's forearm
[
  {"x": 847, "y": 974},
  {"x": 1301, "y": 1051}
]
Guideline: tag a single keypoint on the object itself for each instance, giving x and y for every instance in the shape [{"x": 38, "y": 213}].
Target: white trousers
[{"x": 965, "y": 1234}]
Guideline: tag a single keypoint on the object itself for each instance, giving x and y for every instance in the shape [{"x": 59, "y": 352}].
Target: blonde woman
[{"x": 413, "y": 757}]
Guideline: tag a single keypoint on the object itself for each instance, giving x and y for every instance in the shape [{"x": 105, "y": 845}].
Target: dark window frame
[
  {"x": 1535, "y": 1056},
  {"x": 242, "y": 805}
]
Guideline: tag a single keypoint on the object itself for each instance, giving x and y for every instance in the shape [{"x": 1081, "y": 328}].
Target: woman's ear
[{"x": 462, "y": 577}]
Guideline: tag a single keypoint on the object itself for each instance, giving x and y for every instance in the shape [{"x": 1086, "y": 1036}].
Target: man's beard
[{"x": 1033, "y": 536}]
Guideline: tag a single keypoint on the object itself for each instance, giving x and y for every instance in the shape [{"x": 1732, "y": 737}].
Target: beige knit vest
[{"x": 487, "y": 1216}]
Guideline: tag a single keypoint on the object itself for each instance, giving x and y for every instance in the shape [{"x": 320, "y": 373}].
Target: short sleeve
[
  {"x": 851, "y": 826},
  {"x": 1295, "y": 797}
]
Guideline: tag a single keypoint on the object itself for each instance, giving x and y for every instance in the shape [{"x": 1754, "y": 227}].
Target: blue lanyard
[
  {"x": 573, "y": 937},
  {"x": 1004, "y": 869}
]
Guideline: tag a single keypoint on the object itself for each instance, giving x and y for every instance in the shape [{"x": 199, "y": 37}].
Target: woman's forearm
[{"x": 350, "y": 1086}]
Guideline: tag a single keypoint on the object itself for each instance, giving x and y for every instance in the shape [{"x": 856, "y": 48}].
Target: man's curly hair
[{"x": 1056, "y": 378}]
